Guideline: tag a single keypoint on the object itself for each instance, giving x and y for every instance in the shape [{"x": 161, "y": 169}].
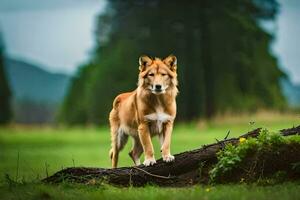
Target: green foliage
[
  {"x": 231, "y": 156},
  {"x": 74, "y": 108},
  {"x": 227, "y": 159},
  {"x": 268, "y": 139},
  {"x": 223, "y": 55},
  {"x": 5, "y": 93}
]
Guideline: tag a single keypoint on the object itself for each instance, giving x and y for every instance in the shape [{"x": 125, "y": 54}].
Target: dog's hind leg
[
  {"x": 136, "y": 151},
  {"x": 119, "y": 139},
  {"x": 114, "y": 153}
]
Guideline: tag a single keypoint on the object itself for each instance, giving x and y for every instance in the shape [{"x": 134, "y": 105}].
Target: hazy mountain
[
  {"x": 30, "y": 82},
  {"x": 291, "y": 92},
  {"x": 37, "y": 93}
]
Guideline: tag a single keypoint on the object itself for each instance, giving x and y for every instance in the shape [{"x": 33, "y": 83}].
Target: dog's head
[{"x": 158, "y": 75}]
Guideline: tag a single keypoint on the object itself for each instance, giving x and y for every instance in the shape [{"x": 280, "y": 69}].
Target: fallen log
[{"x": 189, "y": 168}]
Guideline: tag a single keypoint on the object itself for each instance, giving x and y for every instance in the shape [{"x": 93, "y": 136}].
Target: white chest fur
[{"x": 159, "y": 118}]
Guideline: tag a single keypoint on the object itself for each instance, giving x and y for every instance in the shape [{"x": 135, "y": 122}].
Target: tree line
[
  {"x": 5, "y": 92},
  {"x": 224, "y": 59}
]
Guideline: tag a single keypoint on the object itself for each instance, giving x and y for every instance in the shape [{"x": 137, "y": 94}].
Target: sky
[
  {"x": 287, "y": 44},
  {"x": 55, "y": 34},
  {"x": 59, "y": 34}
]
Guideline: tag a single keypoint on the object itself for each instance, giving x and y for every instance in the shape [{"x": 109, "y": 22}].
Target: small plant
[
  {"x": 232, "y": 155},
  {"x": 227, "y": 159},
  {"x": 12, "y": 183},
  {"x": 270, "y": 139}
]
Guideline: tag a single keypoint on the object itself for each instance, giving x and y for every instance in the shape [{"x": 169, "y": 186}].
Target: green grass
[
  {"x": 30, "y": 153},
  {"x": 239, "y": 192}
]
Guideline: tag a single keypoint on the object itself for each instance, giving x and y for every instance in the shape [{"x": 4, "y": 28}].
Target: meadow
[{"x": 28, "y": 154}]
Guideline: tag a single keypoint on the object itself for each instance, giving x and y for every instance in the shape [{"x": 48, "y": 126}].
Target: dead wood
[{"x": 190, "y": 167}]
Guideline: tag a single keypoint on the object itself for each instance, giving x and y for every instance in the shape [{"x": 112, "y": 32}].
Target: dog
[{"x": 148, "y": 111}]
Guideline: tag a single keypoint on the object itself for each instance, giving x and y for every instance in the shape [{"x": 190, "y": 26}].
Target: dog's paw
[
  {"x": 168, "y": 158},
  {"x": 150, "y": 161}
]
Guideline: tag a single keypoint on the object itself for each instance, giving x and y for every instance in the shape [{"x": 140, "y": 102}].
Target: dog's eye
[
  {"x": 151, "y": 74},
  {"x": 163, "y": 74}
]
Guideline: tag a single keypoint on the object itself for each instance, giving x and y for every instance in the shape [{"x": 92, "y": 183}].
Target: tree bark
[{"x": 191, "y": 167}]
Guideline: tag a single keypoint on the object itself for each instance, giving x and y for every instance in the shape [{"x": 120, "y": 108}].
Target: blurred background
[{"x": 63, "y": 61}]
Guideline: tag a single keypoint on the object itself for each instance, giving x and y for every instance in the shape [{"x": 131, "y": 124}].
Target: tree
[
  {"x": 223, "y": 53},
  {"x": 5, "y": 93}
]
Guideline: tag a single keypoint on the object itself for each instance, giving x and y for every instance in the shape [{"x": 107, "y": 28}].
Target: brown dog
[{"x": 147, "y": 111}]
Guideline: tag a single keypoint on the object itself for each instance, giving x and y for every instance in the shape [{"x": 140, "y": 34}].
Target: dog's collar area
[{"x": 159, "y": 116}]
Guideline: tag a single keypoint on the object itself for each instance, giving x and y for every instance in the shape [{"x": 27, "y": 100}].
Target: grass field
[{"x": 28, "y": 154}]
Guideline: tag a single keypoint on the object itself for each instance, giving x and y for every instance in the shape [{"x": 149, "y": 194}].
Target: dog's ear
[
  {"x": 144, "y": 62},
  {"x": 171, "y": 61}
]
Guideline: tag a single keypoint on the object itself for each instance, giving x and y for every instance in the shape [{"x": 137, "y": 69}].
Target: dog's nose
[{"x": 157, "y": 87}]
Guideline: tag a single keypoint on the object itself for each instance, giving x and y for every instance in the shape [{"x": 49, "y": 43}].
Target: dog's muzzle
[{"x": 158, "y": 89}]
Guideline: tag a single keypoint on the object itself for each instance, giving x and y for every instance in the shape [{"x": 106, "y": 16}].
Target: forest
[{"x": 224, "y": 58}]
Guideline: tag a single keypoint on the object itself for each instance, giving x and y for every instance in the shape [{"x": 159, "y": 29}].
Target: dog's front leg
[
  {"x": 145, "y": 138},
  {"x": 165, "y": 148}
]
